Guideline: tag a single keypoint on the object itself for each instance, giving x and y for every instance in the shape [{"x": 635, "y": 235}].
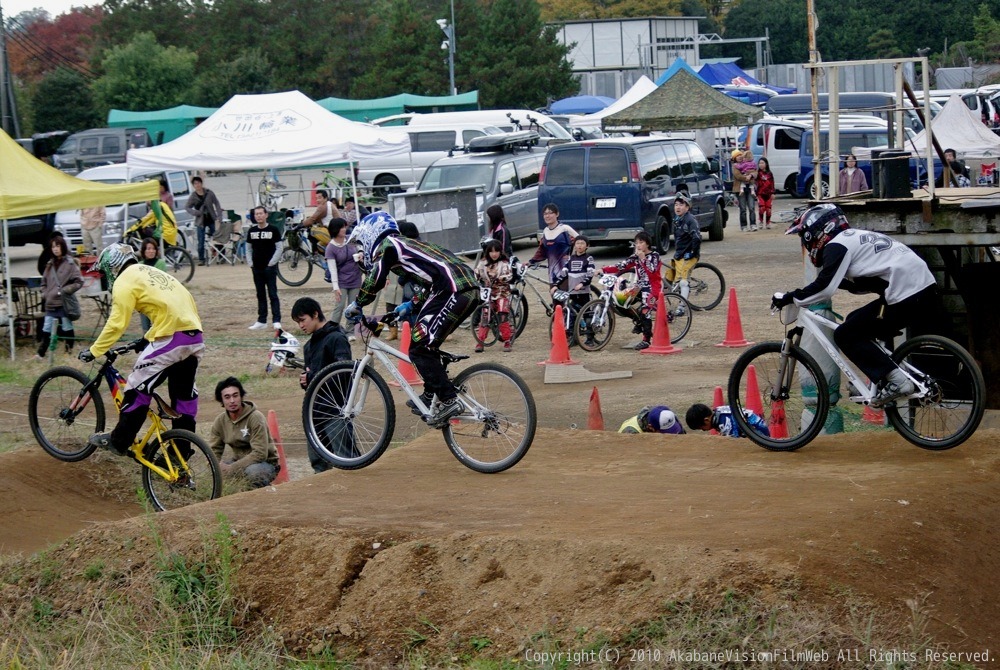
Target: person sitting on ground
[
  {"x": 494, "y": 272},
  {"x": 646, "y": 264},
  {"x": 243, "y": 428},
  {"x": 656, "y": 419},
  {"x": 702, "y": 417},
  {"x": 327, "y": 344}
]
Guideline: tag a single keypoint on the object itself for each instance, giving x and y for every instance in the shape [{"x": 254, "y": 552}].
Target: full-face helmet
[
  {"x": 284, "y": 347},
  {"x": 369, "y": 233},
  {"x": 113, "y": 260},
  {"x": 817, "y": 226},
  {"x": 625, "y": 293}
]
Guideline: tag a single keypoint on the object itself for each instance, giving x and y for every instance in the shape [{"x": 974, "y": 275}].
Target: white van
[
  {"x": 428, "y": 143},
  {"x": 507, "y": 120}
]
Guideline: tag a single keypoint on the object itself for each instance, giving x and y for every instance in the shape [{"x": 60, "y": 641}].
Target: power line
[{"x": 43, "y": 52}]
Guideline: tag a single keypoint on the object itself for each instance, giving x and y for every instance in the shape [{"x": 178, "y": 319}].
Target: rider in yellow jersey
[{"x": 165, "y": 226}]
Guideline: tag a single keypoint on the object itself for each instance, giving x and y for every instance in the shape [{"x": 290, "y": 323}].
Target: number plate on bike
[
  {"x": 484, "y": 293},
  {"x": 605, "y": 203}
]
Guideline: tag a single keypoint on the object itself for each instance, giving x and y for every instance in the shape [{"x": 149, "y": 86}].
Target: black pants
[
  {"x": 265, "y": 280},
  {"x": 181, "y": 387},
  {"x": 439, "y": 317},
  {"x": 878, "y": 320}
]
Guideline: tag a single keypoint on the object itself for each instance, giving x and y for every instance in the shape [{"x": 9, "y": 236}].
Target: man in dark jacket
[{"x": 327, "y": 344}]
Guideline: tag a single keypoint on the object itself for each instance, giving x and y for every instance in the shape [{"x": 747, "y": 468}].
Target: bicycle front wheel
[
  {"x": 707, "y": 286},
  {"x": 498, "y": 424},
  {"x": 199, "y": 477},
  {"x": 678, "y": 316},
  {"x": 595, "y": 324},
  {"x": 955, "y": 400},
  {"x": 486, "y": 333},
  {"x": 348, "y": 437},
  {"x": 518, "y": 314},
  {"x": 61, "y": 419},
  {"x": 294, "y": 267},
  {"x": 179, "y": 263},
  {"x": 783, "y": 390}
]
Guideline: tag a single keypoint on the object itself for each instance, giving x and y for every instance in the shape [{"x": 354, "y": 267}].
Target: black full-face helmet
[{"x": 817, "y": 226}]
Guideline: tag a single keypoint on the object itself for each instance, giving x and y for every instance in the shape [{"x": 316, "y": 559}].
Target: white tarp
[
  {"x": 958, "y": 127},
  {"x": 273, "y": 130},
  {"x": 640, "y": 89}
]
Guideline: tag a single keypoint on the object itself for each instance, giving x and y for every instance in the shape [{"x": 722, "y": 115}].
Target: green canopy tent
[
  {"x": 172, "y": 122},
  {"x": 365, "y": 110},
  {"x": 683, "y": 102},
  {"x": 29, "y": 187}
]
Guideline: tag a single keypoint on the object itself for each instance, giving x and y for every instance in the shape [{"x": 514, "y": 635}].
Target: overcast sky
[{"x": 53, "y": 7}]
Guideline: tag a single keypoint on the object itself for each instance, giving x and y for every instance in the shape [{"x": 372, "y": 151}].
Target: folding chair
[
  {"x": 224, "y": 242},
  {"x": 988, "y": 174}
]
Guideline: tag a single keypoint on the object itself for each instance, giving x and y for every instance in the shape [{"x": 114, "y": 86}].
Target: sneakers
[
  {"x": 680, "y": 311},
  {"x": 753, "y": 229},
  {"x": 642, "y": 345},
  {"x": 508, "y": 346},
  {"x": 276, "y": 325},
  {"x": 637, "y": 329},
  {"x": 590, "y": 342},
  {"x": 896, "y": 386},
  {"x": 446, "y": 410},
  {"x": 425, "y": 397},
  {"x": 479, "y": 348},
  {"x": 258, "y": 325},
  {"x": 103, "y": 441}
]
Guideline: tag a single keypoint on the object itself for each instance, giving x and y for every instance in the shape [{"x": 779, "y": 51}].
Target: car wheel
[
  {"x": 715, "y": 232},
  {"x": 385, "y": 184},
  {"x": 821, "y": 191},
  {"x": 662, "y": 239}
]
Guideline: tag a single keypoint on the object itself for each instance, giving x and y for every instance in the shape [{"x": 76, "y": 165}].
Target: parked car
[
  {"x": 98, "y": 146},
  {"x": 427, "y": 144},
  {"x": 505, "y": 168},
  {"x": 507, "y": 120},
  {"x": 610, "y": 189},
  {"x": 874, "y": 103},
  {"x": 30, "y": 230},
  {"x": 68, "y": 222}
]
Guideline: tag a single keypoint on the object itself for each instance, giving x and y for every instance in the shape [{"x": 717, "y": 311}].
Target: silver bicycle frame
[{"x": 822, "y": 329}]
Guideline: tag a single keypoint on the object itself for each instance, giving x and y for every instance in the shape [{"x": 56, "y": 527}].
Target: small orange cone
[
  {"x": 272, "y": 424},
  {"x": 876, "y": 417},
  {"x": 753, "y": 401},
  {"x": 734, "y": 327},
  {"x": 559, "y": 354},
  {"x": 661, "y": 332},
  {"x": 405, "y": 368},
  {"x": 776, "y": 423},
  {"x": 312, "y": 195},
  {"x": 595, "y": 420}
]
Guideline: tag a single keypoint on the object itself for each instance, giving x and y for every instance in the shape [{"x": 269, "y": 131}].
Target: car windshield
[
  {"x": 557, "y": 131},
  {"x": 457, "y": 175}
]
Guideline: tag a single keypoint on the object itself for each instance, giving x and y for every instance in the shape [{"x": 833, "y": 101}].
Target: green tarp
[
  {"x": 172, "y": 122},
  {"x": 367, "y": 110}
]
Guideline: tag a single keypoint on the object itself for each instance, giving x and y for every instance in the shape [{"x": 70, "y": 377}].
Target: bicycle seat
[
  {"x": 447, "y": 358},
  {"x": 164, "y": 410}
]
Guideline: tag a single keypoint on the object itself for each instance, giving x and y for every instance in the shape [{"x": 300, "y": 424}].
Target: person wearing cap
[
  {"x": 657, "y": 419},
  {"x": 687, "y": 243},
  {"x": 744, "y": 174}
]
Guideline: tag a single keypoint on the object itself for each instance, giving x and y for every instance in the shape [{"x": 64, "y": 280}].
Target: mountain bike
[
  {"x": 178, "y": 260},
  {"x": 943, "y": 411},
  {"x": 595, "y": 323},
  {"x": 301, "y": 253},
  {"x": 705, "y": 283},
  {"x": 267, "y": 196},
  {"x": 349, "y": 416},
  {"x": 65, "y": 408}
]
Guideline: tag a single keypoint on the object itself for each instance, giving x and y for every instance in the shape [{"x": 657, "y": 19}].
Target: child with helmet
[
  {"x": 576, "y": 276},
  {"x": 864, "y": 262},
  {"x": 452, "y": 295},
  {"x": 494, "y": 273},
  {"x": 646, "y": 264},
  {"x": 656, "y": 419},
  {"x": 687, "y": 243}
]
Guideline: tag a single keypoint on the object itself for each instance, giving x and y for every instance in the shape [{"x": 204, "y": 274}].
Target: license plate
[{"x": 605, "y": 203}]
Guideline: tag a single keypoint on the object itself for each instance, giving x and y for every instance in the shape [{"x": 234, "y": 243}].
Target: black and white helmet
[{"x": 817, "y": 226}]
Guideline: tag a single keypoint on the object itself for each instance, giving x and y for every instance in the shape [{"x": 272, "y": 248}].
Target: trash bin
[{"x": 891, "y": 173}]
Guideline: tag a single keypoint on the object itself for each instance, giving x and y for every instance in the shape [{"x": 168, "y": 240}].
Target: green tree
[
  {"x": 784, "y": 19},
  {"x": 987, "y": 32},
  {"x": 51, "y": 111},
  {"x": 406, "y": 47},
  {"x": 882, "y": 44},
  {"x": 250, "y": 72},
  {"x": 515, "y": 60},
  {"x": 143, "y": 75}
]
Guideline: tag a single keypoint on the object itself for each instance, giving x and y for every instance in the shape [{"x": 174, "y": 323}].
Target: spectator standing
[
  {"x": 743, "y": 181},
  {"x": 327, "y": 344},
  {"x": 498, "y": 230},
  {"x": 149, "y": 254},
  {"x": 165, "y": 194},
  {"x": 92, "y": 227},
  {"x": 555, "y": 242},
  {"x": 243, "y": 428},
  {"x": 765, "y": 193},
  {"x": 345, "y": 273},
  {"x": 493, "y": 272},
  {"x": 264, "y": 248},
  {"x": 852, "y": 179},
  {"x": 61, "y": 277},
  {"x": 204, "y": 206}
]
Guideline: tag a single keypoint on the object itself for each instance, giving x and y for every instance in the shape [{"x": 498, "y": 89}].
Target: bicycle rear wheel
[
  {"x": 595, "y": 324},
  {"x": 199, "y": 477},
  {"x": 788, "y": 399},
  {"x": 60, "y": 418},
  {"x": 678, "y": 316},
  {"x": 518, "y": 314},
  {"x": 953, "y": 407},
  {"x": 294, "y": 267},
  {"x": 492, "y": 334},
  {"x": 707, "y": 287},
  {"x": 179, "y": 263},
  {"x": 348, "y": 438},
  {"x": 500, "y": 427}
]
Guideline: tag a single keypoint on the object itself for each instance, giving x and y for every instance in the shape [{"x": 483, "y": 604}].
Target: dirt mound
[{"x": 592, "y": 532}]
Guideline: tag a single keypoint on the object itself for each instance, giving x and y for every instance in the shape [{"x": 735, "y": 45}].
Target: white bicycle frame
[{"x": 819, "y": 326}]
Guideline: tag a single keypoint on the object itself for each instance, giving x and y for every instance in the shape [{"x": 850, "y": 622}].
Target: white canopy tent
[
  {"x": 640, "y": 89},
  {"x": 958, "y": 127},
  {"x": 273, "y": 130}
]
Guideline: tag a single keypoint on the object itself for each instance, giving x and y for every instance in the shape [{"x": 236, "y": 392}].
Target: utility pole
[
  {"x": 8, "y": 106},
  {"x": 814, "y": 86}
]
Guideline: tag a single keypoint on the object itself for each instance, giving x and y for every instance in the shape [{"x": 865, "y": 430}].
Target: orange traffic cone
[
  {"x": 734, "y": 327},
  {"x": 876, "y": 417},
  {"x": 595, "y": 420},
  {"x": 753, "y": 400},
  {"x": 776, "y": 423},
  {"x": 661, "y": 332},
  {"x": 312, "y": 195},
  {"x": 406, "y": 368},
  {"x": 717, "y": 401},
  {"x": 559, "y": 354},
  {"x": 272, "y": 424}
]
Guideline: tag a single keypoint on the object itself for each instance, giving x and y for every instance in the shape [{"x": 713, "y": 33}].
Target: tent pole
[
  {"x": 6, "y": 273},
  {"x": 354, "y": 187}
]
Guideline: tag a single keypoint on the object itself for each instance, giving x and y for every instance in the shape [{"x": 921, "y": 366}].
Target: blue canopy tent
[
  {"x": 580, "y": 104},
  {"x": 730, "y": 73},
  {"x": 679, "y": 64}
]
